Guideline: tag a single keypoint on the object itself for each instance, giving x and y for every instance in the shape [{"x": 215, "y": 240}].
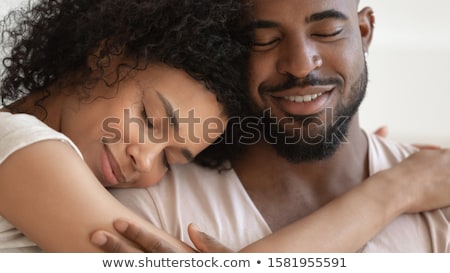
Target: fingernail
[
  {"x": 194, "y": 226},
  {"x": 99, "y": 239},
  {"x": 121, "y": 225},
  {"x": 197, "y": 229}
]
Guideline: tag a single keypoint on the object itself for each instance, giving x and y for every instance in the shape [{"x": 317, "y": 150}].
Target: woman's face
[{"x": 131, "y": 132}]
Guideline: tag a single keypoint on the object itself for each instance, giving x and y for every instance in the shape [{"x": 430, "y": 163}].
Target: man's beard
[{"x": 302, "y": 144}]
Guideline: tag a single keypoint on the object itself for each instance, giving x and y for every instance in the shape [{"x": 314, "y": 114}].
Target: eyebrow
[
  {"x": 263, "y": 24},
  {"x": 327, "y": 14},
  {"x": 174, "y": 119}
]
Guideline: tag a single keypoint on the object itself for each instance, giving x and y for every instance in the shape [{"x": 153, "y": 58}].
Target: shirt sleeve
[{"x": 20, "y": 130}]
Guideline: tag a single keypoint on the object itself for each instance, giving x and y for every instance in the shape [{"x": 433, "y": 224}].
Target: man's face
[{"x": 307, "y": 67}]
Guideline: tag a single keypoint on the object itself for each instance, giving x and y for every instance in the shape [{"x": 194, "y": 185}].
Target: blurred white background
[
  {"x": 6, "y": 5},
  {"x": 409, "y": 62}
]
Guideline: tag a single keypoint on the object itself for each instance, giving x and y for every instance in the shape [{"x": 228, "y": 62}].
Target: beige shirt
[{"x": 219, "y": 204}]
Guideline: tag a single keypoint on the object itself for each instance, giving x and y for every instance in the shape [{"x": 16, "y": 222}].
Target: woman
[{"x": 101, "y": 92}]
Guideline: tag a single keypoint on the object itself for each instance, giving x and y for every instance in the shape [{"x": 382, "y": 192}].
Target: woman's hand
[
  {"x": 384, "y": 132},
  {"x": 422, "y": 181},
  {"x": 148, "y": 242}
]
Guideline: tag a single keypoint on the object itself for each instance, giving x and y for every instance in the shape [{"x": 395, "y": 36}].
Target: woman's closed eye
[
  {"x": 165, "y": 161},
  {"x": 148, "y": 120}
]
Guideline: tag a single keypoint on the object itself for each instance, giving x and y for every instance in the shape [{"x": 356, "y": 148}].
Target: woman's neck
[{"x": 42, "y": 105}]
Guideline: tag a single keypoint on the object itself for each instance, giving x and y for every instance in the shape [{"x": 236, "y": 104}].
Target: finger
[
  {"x": 146, "y": 240},
  {"x": 111, "y": 243},
  {"x": 382, "y": 131},
  {"x": 427, "y": 147},
  {"x": 205, "y": 243}
]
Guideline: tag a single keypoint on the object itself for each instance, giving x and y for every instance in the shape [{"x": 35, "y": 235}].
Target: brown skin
[
  {"x": 59, "y": 181},
  {"x": 296, "y": 49},
  {"x": 128, "y": 138}
]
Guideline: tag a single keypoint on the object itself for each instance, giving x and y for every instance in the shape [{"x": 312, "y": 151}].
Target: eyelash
[
  {"x": 329, "y": 35},
  {"x": 316, "y": 35},
  {"x": 266, "y": 44},
  {"x": 147, "y": 119},
  {"x": 166, "y": 162}
]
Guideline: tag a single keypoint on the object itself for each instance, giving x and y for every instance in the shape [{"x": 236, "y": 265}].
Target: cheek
[
  {"x": 260, "y": 64},
  {"x": 346, "y": 63},
  {"x": 260, "y": 71},
  {"x": 83, "y": 127},
  {"x": 348, "y": 56},
  {"x": 211, "y": 133},
  {"x": 199, "y": 135}
]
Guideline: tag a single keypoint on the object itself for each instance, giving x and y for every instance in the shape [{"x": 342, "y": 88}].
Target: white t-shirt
[
  {"x": 16, "y": 132},
  {"x": 219, "y": 205}
]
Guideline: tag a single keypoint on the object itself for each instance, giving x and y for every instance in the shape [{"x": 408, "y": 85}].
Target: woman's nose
[{"x": 144, "y": 156}]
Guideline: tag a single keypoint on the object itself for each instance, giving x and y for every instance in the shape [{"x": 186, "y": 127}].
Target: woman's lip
[
  {"x": 108, "y": 175},
  {"x": 115, "y": 168}
]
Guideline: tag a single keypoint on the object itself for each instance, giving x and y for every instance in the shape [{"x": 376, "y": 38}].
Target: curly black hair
[{"x": 52, "y": 39}]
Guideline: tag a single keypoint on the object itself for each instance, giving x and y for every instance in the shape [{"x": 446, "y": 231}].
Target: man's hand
[
  {"x": 205, "y": 243},
  {"x": 148, "y": 242},
  {"x": 144, "y": 241}
]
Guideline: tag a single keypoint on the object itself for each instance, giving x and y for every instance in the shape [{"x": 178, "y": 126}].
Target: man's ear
[{"x": 366, "y": 26}]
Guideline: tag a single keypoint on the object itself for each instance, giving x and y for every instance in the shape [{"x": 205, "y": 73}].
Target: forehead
[
  {"x": 300, "y": 9},
  {"x": 177, "y": 87}
]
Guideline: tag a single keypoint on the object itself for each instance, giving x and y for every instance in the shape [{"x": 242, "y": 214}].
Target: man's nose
[{"x": 298, "y": 57}]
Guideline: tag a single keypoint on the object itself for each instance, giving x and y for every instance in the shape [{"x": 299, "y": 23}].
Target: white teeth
[{"x": 307, "y": 98}]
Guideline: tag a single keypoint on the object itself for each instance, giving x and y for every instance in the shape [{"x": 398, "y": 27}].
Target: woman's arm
[
  {"x": 343, "y": 225},
  {"x": 48, "y": 192},
  {"x": 420, "y": 183}
]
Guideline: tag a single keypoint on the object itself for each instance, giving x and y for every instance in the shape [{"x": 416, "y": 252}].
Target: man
[{"x": 308, "y": 77}]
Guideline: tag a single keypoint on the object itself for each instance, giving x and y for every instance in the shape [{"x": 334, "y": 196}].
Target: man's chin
[{"x": 304, "y": 152}]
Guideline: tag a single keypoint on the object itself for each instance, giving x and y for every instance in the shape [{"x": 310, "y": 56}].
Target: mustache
[{"x": 291, "y": 82}]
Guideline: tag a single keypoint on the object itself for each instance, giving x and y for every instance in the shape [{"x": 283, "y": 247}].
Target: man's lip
[
  {"x": 115, "y": 166},
  {"x": 303, "y": 108},
  {"x": 303, "y": 91}
]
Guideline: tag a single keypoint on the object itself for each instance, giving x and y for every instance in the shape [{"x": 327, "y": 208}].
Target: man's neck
[{"x": 284, "y": 191}]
